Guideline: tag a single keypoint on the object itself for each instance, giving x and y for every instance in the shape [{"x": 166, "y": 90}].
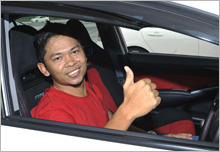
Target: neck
[{"x": 76, "y": 90}]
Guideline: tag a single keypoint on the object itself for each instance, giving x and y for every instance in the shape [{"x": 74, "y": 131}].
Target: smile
[{"x": 74, "y": 73}]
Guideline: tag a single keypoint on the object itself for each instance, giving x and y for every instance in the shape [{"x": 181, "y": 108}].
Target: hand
[
  {"x": 140, "y": 97},
  {"x": 180, "y": 135}
]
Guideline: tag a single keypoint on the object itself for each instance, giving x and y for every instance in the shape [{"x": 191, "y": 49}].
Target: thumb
[{"x": 129, "y": 77}]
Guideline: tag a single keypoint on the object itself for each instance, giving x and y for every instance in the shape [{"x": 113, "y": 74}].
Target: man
[{"x": 73, "y": 100}]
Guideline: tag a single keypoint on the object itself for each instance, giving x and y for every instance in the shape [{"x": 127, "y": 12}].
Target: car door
[
  {"x": 185, "y": 81},
  {"x": 184, "y": 65},
  {"x": 171, "y": 71}
]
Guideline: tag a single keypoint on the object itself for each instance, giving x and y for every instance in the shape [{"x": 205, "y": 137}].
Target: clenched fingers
[
  {"x": 156, "y": 93},
  {"x": 158, "y": 100},
  {"x": 147, "y": 81}
]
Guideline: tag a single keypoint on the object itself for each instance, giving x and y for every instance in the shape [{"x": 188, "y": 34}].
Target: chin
[{"x": 77, "y": 84}]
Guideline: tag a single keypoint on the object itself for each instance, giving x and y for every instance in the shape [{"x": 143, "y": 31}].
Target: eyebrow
[{"x": 58, "y": 53}]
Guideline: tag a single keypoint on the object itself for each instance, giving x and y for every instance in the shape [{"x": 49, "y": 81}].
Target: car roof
[{"x": 168, "y": 15}]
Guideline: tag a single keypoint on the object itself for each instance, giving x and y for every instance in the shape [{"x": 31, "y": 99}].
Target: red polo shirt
[{"x": 60, "y": 106}]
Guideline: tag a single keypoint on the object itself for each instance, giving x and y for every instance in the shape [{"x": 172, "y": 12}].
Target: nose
[{"x": 71, "y": 60}]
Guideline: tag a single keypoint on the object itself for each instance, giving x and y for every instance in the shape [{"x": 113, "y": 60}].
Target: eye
[
  {"x": 75, "y": 51},
  {"x": 57, "y": 58}
]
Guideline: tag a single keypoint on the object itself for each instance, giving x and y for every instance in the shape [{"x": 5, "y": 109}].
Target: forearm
[{"x": 120, "y": 120}]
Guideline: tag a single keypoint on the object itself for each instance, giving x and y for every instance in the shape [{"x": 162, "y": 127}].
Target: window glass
[
  {"x": 158, "y": 40},
  {"x": 93, "y": 32},
  {"x": 38, "y": 22}
]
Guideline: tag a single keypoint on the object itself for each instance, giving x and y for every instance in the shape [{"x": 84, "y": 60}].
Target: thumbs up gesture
[{"x": 140, "y": 97}]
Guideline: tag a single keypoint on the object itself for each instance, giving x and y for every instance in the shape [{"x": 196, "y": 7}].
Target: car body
[
  {"x": 40, "y": 19},
  {"x": 185, "y": 82},
  {"x": 159, "y": 40}
]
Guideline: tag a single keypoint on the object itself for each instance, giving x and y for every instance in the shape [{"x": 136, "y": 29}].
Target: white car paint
[
  {"x": 33, "y": 140},
  {"x": 40, "y": 19}
]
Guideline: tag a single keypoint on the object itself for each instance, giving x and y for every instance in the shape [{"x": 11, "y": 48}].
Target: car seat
[
  {"x": 30, "y": 83},
  {"x": 100, "y": 68}
]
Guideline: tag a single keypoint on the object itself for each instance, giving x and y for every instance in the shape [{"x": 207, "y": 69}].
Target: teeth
[{"x": 71, "y": 73}]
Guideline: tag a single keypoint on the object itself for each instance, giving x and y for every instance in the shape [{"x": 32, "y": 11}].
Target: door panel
[
  {"x": 185, "y": 82},
  {"x": 183, "y": 72},
  {"x": 166, "y": 81}
]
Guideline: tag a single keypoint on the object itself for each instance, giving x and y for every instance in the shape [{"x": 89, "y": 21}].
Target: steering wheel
[{"x": 208, "y": 121}]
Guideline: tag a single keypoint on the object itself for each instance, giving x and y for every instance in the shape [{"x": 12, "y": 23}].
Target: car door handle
[{"x": 155, "y": 33}]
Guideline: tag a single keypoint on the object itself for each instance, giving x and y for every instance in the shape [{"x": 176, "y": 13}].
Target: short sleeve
[
  {"x": 51, "y": 112},
  {"x": 59, "y": 115}
]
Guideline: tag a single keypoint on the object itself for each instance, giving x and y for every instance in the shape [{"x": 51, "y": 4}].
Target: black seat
[
  {"x": 30, "y": 83},
  {"x": 100, "y": 60}
]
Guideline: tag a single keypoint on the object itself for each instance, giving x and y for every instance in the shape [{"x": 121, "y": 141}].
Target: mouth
[{"x": 73, "y": 73}]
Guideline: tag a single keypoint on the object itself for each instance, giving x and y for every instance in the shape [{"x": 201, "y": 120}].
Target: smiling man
[{"x": 72, "y": 99}]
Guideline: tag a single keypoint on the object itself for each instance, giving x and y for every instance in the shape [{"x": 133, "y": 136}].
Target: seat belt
[{"x": 118, "y": 71}]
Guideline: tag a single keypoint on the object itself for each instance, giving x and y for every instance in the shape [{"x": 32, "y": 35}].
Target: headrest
[
  {"x": 79, "y": 31},
  {"x": 24, "y": 57}
]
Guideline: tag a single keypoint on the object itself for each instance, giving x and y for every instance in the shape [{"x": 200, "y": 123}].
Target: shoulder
[
  {"x": 52, "y": 99},
  {"x": 50, "y": 96},
  {"x": 51, "y": 104}
]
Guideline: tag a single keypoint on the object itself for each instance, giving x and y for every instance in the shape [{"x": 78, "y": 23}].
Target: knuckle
[
  {"x": 141, "y": 83},
  {"x": 151, "y": 94},
  {"x": 154, "y": 86},
  {"x": 147, "y": 80},
  {"x": 158, "y": 99},
  {"x": 156, "y": 92},
  {"x": 148, "y": 86}
]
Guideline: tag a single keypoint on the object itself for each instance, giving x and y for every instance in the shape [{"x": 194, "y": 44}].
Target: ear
[{"x": 43, "y": 69}]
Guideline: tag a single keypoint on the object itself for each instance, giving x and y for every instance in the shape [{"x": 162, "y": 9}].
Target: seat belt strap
[{"x": 118, "y": 70}]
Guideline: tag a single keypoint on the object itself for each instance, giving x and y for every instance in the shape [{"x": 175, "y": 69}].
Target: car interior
[{"x": 181, "y": 85}]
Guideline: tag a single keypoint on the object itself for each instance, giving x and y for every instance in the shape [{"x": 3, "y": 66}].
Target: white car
[
  {"x": 42, "y": 19},
  {"x": 158, "y": 40}
]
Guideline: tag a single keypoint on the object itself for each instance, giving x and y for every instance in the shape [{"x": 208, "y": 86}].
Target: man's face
[{"x": 65, "y": 60}]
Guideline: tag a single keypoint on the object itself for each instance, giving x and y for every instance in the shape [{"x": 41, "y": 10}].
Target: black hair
[{"x": 48, "y": 31}]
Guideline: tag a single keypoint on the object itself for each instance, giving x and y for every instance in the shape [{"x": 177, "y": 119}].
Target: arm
[
  {"x": 180, "y": 135},
  {"x": 139, "y": 99}
]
